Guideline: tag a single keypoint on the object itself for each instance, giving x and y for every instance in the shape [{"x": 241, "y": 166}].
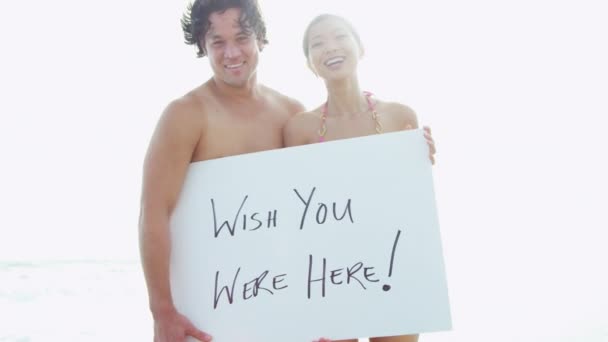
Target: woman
[{"x": 333, "y": 50}]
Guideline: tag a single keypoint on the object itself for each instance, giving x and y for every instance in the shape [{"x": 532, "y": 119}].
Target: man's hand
[
  {"x": 173, "y": 327},
  {"x": 322, "y": 339}
]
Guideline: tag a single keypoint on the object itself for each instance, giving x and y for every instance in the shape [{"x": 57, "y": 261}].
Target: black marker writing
[
  {"x": 387, "y": 287},
  {"x": 306, "y": 205},
  {"x": 337, "y": 276},
  {"x": 323, "y": 210},
  {"x": 271, "y": 220},
  {"x": 229, "y": 292},
  {"x": 250, "y": 289}
]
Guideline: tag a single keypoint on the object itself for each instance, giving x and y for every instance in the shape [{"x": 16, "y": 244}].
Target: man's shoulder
[
  {"x": 192, "y": 104},
  {"x": 293, "y": 106},
  {"x": 185, "y": 113}
]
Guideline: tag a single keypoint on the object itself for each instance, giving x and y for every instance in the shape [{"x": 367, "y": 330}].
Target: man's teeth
[
  {"x": 334, "y": 60},
  {"x": 234, "y": 66}
]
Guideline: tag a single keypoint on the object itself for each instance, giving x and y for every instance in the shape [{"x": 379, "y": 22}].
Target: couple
[{"x": 232, "y": 114}]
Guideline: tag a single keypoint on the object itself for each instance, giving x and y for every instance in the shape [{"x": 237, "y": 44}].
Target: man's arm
[{"x": 169, "y": 155}]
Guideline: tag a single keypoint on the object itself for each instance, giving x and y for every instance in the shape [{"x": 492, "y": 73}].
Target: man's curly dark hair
[{"x": 195, "y": 22}]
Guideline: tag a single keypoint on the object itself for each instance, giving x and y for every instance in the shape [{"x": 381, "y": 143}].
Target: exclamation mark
[{"x": 387, "y": 287}]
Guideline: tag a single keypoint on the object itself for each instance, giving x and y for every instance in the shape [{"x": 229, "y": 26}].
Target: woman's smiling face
[{"x": 333, "y": 50}]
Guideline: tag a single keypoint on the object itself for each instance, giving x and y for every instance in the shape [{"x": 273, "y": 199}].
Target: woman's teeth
[
  {"x": 334, "y": 60},
  {"x": 234, "y": 66}
]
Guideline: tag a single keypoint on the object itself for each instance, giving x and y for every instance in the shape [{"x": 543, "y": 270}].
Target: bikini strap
[
  {"x": 368, "y": 97},
  {"x": 370, "y": 106}
]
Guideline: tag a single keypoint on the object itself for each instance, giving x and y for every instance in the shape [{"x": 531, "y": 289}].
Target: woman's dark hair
[
  {"x": 195, "y": 22},
  {"x": 326, "y": 16}
]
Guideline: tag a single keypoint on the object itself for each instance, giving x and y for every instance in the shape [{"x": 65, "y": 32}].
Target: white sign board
[{"x": 338, "y": 239}]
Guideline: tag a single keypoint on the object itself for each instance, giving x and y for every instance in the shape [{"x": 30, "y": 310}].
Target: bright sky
[{"x": 515, "y": 93}]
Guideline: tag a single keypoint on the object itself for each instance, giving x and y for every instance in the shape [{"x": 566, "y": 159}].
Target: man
[{"x": 229, "y": 114}]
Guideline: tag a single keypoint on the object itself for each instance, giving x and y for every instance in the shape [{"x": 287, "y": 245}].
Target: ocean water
[
  {"x": 73, "y": 301},
  {"x": 90, "y": 301}
]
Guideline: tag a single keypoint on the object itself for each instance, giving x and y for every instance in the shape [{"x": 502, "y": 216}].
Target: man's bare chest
[{"x": 227, "y": 137}]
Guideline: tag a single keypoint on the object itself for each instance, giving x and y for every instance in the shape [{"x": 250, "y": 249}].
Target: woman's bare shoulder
[{"x": 402, "y": 115}]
